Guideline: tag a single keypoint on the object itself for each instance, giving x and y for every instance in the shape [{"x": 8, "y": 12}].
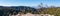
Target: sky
[{"x": 32, "y": 3}]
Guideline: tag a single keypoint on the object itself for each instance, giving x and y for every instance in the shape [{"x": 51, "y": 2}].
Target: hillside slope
[{"x": 54, "y": 11}]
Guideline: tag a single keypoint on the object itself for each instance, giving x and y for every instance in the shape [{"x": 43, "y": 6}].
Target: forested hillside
[
  {"x": 23, "y": 10},
  {"x": 15, "y": 10}
]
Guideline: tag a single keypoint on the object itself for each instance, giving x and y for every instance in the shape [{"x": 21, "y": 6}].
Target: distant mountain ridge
[{"x": 16, "y": 9}]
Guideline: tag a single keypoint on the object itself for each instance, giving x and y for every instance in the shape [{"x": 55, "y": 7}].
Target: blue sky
[{"x": 32, "y": 3}]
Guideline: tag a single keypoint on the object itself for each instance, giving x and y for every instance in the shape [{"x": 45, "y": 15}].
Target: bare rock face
[{"x": 29, "y": 14}]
